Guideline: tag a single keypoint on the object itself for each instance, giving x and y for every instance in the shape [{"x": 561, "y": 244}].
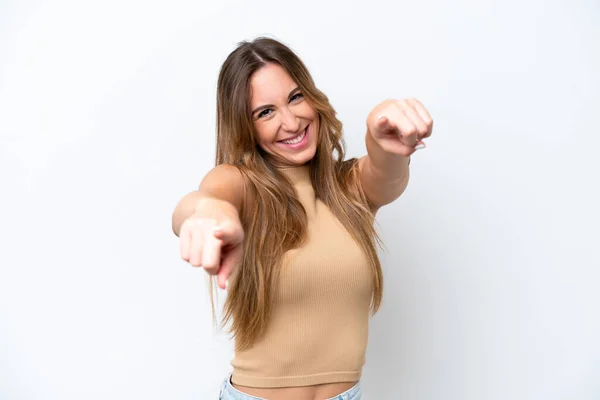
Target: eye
[
  {"x": 296, "y": 96},
  {"x": 264, "y": 113}
]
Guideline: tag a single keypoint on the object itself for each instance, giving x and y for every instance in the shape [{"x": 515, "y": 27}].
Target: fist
[
  {"x": 399, "y": 126},
  {"x": 212, "y": 238}
]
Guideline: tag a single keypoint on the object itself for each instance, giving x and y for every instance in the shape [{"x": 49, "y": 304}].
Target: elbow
[
  {"x": 175, "y": 222},
  {"x": 184, "y": 209},
  {"x": 174, "y": 227}
]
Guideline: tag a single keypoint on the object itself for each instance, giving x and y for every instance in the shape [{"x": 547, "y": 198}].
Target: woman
[{"x": 286, "y": 225}]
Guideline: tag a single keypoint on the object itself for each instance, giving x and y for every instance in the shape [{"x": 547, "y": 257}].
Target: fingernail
[
  {"x": 420, "y": 146},
  {"x": 226, "y": 283}
]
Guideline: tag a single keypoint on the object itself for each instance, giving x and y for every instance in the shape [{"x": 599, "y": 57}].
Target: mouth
[{"x": 296, "y": 140}]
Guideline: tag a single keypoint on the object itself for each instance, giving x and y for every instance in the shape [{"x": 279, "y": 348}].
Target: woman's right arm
[
  {"x": 224, "y": 182},
  {"x": 208, "y": 224}
]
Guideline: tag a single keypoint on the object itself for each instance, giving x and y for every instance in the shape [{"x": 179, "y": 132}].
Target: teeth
[{"x": 296, "y": 140}]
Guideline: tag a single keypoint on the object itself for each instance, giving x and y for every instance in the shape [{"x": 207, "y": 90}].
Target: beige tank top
[{"x": 319, "y": 325}]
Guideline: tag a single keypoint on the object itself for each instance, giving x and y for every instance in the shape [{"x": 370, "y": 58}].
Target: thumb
[
  {"x": 230, "y": 259},
  {"x": 383, "y": 124}
]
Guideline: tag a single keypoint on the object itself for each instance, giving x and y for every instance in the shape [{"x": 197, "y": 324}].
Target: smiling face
[{"x": 286, "y": 125}]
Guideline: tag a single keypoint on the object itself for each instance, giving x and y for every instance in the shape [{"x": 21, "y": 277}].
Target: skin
[
  {"x": 207, "y": 220},
  {"x": 280, "y": 112}
]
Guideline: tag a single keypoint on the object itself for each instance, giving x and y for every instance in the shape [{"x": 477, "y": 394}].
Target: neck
[{"x": 296, "y": 173}]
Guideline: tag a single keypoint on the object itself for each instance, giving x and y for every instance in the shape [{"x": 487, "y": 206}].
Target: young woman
[{"x": 286, "y": 225}]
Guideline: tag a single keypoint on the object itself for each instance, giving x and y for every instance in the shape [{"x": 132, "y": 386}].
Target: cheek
[
  {"x": 313, "y": 116},
  {"x": 265, "y": 134}
]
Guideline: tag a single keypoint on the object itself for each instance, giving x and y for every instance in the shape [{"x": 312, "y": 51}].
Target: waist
[
  {"x": 289, "y": 356},
  {"x": 294, "y": 381},
  {"x": 350, "y": 391}
]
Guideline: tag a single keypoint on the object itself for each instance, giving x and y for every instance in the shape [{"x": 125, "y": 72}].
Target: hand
[
  {"x": 399, "y": 126},
  {"x": 213, "y": 238}
]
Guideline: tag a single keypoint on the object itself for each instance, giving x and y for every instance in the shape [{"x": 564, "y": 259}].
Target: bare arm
[
  {"x": 384, "y": 176},
  {"x": 395, "y": 129},
  {"x": 224, "y": 183}
]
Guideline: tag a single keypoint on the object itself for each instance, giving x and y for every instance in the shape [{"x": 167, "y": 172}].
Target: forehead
[{"x": 270, "y": 84}]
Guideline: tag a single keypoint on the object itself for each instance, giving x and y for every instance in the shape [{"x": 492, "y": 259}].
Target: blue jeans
[{"x": 228, "y": 392}]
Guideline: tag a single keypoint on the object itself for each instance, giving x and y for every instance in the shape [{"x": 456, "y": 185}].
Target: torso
[{"x": 314, "y": 346}]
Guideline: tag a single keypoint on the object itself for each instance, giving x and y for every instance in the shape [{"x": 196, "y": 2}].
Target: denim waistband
[{"x": 228, "y": 392}]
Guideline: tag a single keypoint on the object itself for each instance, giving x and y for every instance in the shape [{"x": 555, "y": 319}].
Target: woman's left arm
[{"x": 395, "y": 130}]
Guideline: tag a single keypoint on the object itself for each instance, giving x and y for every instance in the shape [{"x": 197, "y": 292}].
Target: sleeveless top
[{"x": 319, "y": 324}]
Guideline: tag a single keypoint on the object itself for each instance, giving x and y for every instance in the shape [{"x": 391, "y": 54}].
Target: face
[{"x": 286, "y": 125}]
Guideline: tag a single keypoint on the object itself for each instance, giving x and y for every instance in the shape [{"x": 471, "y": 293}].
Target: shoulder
[
  {"x": 225, "y": 171},
  {"x": 224, "y": 175}
]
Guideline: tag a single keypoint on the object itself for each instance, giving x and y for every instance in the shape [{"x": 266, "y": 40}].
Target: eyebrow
[{"x": 257, "y": 109}]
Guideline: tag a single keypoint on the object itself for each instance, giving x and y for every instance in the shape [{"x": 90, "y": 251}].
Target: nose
[{"x": 289, "y": 121}]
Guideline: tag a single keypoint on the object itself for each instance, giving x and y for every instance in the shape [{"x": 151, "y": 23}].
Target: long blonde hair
[{"x": 270, "y": 195}]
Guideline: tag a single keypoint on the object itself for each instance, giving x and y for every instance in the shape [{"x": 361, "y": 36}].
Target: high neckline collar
[{"x": 297, "y": 174}]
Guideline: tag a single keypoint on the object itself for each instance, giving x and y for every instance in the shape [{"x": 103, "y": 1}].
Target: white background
[{"x": 107, "y": 116}]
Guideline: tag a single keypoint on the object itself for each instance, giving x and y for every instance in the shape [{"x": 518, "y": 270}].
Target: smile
[{"x": 297, "y": 139}]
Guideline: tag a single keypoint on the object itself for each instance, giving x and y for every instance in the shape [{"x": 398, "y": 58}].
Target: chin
[{"x": 301, "y": 159}]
